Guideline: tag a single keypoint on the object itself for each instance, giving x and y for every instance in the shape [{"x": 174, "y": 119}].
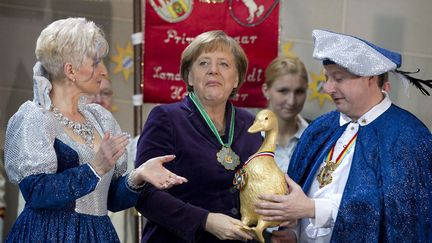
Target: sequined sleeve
[
  {"x": 60, "y": 190},
  {"x": 29, "y": 143},
  {"x": 109, "y": 124}
]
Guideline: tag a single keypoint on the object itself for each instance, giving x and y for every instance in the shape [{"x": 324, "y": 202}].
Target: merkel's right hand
[
  {"x": 110, "y": 150},
  {"x": 226, "y": 228}
]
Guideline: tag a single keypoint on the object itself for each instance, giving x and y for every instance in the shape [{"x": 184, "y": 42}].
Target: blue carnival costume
[
  {"x": 387, "y": 196},
  {"x": 179, "y": 214},
  {"x": 66, "y": 201}
]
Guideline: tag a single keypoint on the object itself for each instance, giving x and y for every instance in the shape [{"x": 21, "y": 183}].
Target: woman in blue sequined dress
[{"x": 69, "y": 157}]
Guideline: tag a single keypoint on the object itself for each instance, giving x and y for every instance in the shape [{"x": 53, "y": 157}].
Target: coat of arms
[{"x": 172, "y": 10}]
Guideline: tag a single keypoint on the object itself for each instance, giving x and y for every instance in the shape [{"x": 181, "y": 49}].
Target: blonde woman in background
[{"x": 285, "y": 88}]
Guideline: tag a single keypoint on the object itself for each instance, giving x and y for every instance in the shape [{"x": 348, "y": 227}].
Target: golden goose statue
[{"x": 260, "y": 174}]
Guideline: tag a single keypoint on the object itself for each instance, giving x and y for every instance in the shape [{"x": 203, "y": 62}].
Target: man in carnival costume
[{"x": 366, "y": 168}]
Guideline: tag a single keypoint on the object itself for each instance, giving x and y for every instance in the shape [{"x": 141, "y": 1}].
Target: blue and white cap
[
  {"x": 358, "y": 56},
  {"x": 361, "y": 57}
]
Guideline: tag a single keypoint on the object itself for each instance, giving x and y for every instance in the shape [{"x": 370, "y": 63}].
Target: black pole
[
  {"x": 138, "y": 85},
  {"x": 138, "y": 65}
]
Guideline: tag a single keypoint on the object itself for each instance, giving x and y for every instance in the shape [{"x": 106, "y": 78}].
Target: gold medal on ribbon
[
  {"x": 325, "y": 174},
  {"x": 228, "y": 158},
  {"x": 226, "y": 155}
]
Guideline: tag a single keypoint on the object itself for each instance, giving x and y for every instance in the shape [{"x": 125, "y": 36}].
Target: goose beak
[{"x": 256, "y": 127}]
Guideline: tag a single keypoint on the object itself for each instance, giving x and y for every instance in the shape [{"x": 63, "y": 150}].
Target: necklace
[
  {"x": 325, "y": 173},
  {"x": 226, "y": 156},
  {"x": 84, "y": 130}
]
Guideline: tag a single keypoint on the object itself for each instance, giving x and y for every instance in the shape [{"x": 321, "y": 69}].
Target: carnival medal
[
  {"x": 325, "y": 173},
  {"x": 226, "y": 156},
  {"x": 240, "y": 178}
]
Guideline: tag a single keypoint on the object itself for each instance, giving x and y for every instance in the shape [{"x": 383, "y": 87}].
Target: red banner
[{"x": 170, "y": 25}]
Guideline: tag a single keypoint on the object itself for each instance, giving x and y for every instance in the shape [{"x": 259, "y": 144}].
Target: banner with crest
[{"x": 170, "y": 25}]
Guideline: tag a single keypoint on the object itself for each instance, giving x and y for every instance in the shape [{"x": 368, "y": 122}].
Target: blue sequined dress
[{"x": 66, "y": 201}]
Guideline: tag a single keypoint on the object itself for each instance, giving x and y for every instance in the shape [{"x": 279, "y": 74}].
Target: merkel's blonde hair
[
  {"x": 281, "y": 66},
  {"x": 208, "y": 42},
  {"x": 69, "y": 40}
]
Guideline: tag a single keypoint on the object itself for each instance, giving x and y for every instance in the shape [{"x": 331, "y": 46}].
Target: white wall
[{"x": 402, "y": 26}]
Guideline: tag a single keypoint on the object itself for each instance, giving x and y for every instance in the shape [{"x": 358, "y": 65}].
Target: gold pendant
[
  {"x": 240, "y": 178},
  {"x": 228, "y": 158},
  {"x": 325, "y": 174}
]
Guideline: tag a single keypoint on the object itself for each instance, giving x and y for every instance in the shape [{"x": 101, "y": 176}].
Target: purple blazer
[{"x": 179, "y": 214}]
